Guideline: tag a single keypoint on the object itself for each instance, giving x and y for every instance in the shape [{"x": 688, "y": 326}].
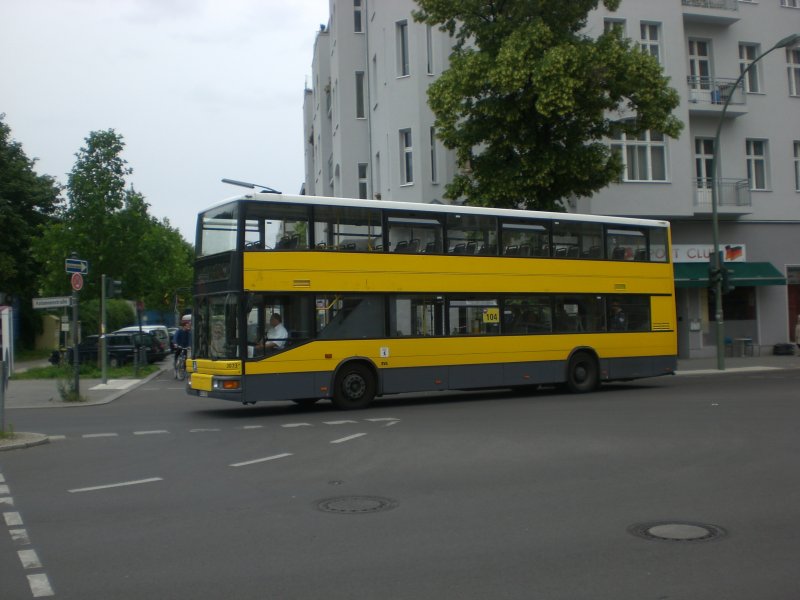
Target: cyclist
[{"x": 182, "y": 339}]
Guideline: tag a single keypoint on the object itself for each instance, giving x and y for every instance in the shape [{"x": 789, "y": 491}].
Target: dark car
[{"x": 121, "y": 348}]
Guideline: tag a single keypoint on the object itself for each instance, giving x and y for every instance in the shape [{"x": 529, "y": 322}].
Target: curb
[{"x": 23, "y": 440}]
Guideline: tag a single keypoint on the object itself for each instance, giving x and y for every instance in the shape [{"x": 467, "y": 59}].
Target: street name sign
[
  {"x": 76, "y": 265},
  {"x": 53, "y": 302}
]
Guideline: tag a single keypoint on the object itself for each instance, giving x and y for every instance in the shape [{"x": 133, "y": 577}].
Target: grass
[{"x": 86, "y": 372}]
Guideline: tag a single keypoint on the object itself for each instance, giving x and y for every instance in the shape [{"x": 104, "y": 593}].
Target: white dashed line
[
  {"x": 390, "y": 423},
  {"x": 2, "y": 478},
  {"x": 20, "y": 536},
  {"x": 29, "y": 559},
  {"x": 378, "y": 420},
  {"x": 3, "y": 489},
  {"x": 338, "y": 422},
  {"x": 253, "y": 427},
  {"x": 115, "y": 485},
  {"x": 12, "y": 519},
  {"x": 7, "y": 500},
  {"x": 260, "y": 460},
  {"x": 204, "y": 430},
  {"x": 153, "y": 432},
  {"x": 287, "y": 425},
  {"x": 99, "y": 435},
  {"x": 348, "y": 438},
  {"x": 40, "y": 586},
  {"x": 54, "y": 438}
]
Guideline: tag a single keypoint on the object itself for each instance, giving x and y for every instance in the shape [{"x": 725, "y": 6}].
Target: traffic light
[
  {"x": 725, "y": 275},
  {"x": 114, "y": 288}
]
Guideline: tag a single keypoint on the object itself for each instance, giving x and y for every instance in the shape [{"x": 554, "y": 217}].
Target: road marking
[
  {"x": 253, "y": 427},
  {"x": 29, "y": 559},
  {"x": 378, "y": 420},
  {"x": 54, "y": 438},
  {"x": 390, "y": 423},
  {"x": 40, "y": 586},
  {"x": 338, "y": 422},
  {"x": 153, "y": 432},
  {"x": 348, "y": 438},
  {"x": 7, "y": 500},
  {"x": 2, "y": 478},
  {"x": 20, "y": 536},
  {"x": 260, "y": 460},
  {"x": 115, "y": 485},
  {"x": 12, "y": 518},
  {"x": 201, "y": 430},
  {"x": 4, "y": 489},
  {"x": 99, "y": 435},
  {"x": 296, "y": 425}
]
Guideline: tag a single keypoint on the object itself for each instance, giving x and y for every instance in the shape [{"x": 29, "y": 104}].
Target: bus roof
[{"x": 438, "y": 208}]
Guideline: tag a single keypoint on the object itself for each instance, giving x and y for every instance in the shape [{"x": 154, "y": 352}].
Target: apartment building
[{"x": 369, "y": 133}]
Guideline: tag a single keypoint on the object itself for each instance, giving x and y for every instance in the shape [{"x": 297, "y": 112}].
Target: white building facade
[{"x": 369, "y": 133}]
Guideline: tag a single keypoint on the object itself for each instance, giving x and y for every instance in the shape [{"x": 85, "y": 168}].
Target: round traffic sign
[{"x": 77, "y": 281}]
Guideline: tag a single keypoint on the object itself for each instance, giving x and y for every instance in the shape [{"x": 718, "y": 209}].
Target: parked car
[
  {"x": 121, "y": 348},
  {"x": 161, "y": 333}
]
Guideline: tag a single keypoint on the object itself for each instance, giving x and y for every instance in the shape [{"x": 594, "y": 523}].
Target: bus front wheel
[
  {"x": 355, "y": 387},
  {"x": 583, "y": 374}
]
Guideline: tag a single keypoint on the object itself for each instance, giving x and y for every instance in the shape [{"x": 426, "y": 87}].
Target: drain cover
[
  {"x": 677, "y": 531},
  {"x": 356, "y": 505}
]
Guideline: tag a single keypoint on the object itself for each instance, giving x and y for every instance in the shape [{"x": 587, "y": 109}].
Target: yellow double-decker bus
[{"x": 303, "y": 298}]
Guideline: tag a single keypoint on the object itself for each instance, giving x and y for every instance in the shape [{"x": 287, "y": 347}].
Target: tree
[
  {"x": 27, "y": 201},
  {"x": 107, "y": 223},
  {"x": 528, "y": 102}
]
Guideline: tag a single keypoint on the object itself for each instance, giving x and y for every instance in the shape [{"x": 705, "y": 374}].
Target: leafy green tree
[
  {"x": 27, "y": 201},
  {"x": 107, "y": 223},
  {"x": 528, "y": 101}
]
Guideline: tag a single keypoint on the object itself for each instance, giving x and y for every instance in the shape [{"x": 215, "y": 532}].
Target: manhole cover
[
  {"x": 356, "y": 504},
  {"x": 677, "y": 531}
]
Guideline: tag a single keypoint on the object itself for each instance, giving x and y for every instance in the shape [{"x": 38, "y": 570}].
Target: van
[{"x": 159, "y": 331}]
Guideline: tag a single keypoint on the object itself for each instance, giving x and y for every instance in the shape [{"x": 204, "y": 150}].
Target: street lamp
[{"x": 789, "y": 40}]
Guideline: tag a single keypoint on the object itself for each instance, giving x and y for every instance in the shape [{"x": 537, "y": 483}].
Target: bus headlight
[{"x": 227, "y": 384}]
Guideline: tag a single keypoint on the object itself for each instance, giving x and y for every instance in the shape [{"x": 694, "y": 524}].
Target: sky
[{"x": 198, "y": 89}]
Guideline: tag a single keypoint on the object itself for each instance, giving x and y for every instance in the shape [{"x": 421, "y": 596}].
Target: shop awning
[{"x": 742, "y": 274}]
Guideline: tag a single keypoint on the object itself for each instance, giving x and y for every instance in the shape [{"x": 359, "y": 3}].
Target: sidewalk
[{"x": 43, "y": 393}]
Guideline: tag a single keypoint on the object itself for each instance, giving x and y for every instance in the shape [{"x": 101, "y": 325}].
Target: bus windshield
[{"x": 216, "y": 327}]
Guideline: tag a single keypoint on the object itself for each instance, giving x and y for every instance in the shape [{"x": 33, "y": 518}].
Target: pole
[
  {"x": 103, "y": 343},
  {"x": 76, "y": 361},
  {"x": 789, "y": 40}
]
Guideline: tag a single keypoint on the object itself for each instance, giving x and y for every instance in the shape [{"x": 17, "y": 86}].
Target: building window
[
  {"x": 434, "y": 164},
  {"x": 362, "y": 180},
  {"x": 402, "y": 49},
  {"x": 360, "y": 112},
  {"x": 429, "y": 47},
  {"x": 757, "y": 164},
  {"x": 797, "y": 167},
  {"x": 793, "y": 67},
  {"x": 644, "y": 156},
  {"x": 651, "y": 40},
  {"x": 406, "y": 158},
  {"x": 615, "y": 25},
  {"x": 747, "y": 56},
  {"x": 790, "y": 3},
  {"x": 358, "y": 26}
]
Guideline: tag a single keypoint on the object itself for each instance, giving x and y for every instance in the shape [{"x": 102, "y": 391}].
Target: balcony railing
[
  {"x": 732, "y": 193},
  {"x": 715, "y": 90},
  {"x": 721, "y": 4}
]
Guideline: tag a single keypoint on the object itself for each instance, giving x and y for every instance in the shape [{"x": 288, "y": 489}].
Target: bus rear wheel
[
  {"x": 354, "y": 388},
  {"x": 583, "y": 374}
]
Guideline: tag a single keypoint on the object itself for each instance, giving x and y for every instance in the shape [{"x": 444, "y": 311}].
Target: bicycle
[{"x": 180, "y": 364}]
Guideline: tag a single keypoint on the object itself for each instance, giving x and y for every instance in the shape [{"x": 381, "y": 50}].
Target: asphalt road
[{"x": 468, "y": 496}]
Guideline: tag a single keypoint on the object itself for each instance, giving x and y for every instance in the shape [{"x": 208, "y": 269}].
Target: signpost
[
  {"x": 52, "y": 302},
  {"x": 78, "y": 268},
  {"x": 76, "y": 265}
]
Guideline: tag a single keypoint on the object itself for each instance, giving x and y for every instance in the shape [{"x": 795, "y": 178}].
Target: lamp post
[{"x": 789, "y": 40}]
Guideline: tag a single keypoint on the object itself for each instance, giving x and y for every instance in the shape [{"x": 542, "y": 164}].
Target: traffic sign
[
  {"x": 53, "y": 302},
  {"x": 76, "y": 265},
  {"x": 77, "y": 281}
]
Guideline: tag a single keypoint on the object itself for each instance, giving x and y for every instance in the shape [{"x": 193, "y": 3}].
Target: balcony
[
  {"x": 734, "y": 197},
  {"x": 715, "y": 12},
  {"x": 707, "y": 96}
]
